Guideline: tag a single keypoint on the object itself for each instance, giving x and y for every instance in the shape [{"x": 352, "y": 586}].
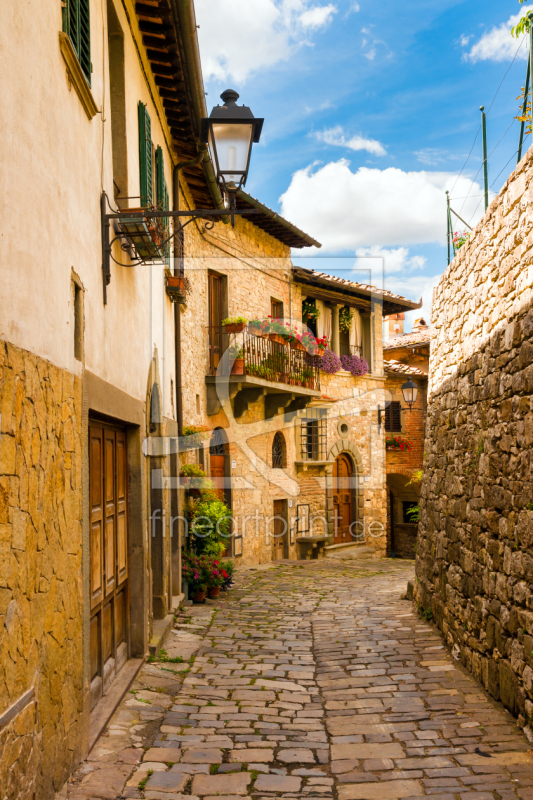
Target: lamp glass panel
[{"x": 233, "y": 142}]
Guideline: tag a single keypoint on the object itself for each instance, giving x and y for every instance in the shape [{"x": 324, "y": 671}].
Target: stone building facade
[
  {"x": 316, "y": 505},
  {"x": 406, "y": 356},
  {"x": 474, "y": 559}
]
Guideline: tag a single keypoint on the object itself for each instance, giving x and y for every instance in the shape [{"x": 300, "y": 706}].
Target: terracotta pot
[
  {"x": 276, "y": 337},
  {"x": 297, "y": 346},
  {"x": 320, "y": 352},
  {"x": 238, "y": 367},
  {"x": 199, "y": 597},
  {"x": 175, "y": 287},
  {"x": 214, "y": 591},
  {"x": 234, "y": 327},
  {"x": 253, "y": 331}
]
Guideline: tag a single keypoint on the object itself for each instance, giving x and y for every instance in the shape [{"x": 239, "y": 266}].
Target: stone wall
[
  {"x": 40, "y": 573},
  {"x": 475, "y": 547}
]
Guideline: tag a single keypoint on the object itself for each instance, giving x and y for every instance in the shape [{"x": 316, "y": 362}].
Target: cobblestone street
[{"x": 308, "y": 680}]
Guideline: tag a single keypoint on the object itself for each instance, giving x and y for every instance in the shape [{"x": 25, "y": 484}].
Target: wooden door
[
  {"x": 215, "y": 320},
  {"x": 342, "y": 498},
  {"x": 218, "y": 472},
  {"x": 109, "y": 625},
  {"x": 280, "y": 531}
]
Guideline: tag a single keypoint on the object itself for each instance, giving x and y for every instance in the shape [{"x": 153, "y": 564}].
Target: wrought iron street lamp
[
  {"x": 230, "y": 132},
  {"x": 410, "y": 393}
]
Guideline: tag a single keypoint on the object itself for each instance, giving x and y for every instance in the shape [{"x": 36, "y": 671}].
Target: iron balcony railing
[
  {"x": 244, "y": 353},
  {"x": 350, "y": 350}
]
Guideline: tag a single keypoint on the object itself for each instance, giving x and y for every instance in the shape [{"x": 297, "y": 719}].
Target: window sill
[{"x": 76, "y": 76}]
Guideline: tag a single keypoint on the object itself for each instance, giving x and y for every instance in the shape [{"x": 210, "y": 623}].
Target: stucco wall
[{"x": 475, "y": 556}]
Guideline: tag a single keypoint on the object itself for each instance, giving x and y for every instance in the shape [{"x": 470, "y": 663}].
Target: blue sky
[{"x": 370, "y": 113}]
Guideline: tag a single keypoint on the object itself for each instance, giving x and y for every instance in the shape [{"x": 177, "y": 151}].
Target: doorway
[
  {"x": 109, "y": 584},
  {"x": 343, "y": 498},
  {"x": 280, "y": 538}
]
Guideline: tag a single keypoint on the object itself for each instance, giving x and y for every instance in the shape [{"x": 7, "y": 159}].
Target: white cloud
[
  {"x": 345, "y": 210},
  {"x": 415, "y": 287},
  {"x": 463, "y": 41},
  {"x": 317, "y": 17},
  {"x": 335, "y": 136},
  {"x": 238, "y": 37},
  {"x": 354, "y": 9},
  {"x": 497, "y": 44},
  {"x": 387, "y": 260}
]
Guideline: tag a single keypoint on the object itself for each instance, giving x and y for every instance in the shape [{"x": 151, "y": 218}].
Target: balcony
[{"x": 259, "y": 364}]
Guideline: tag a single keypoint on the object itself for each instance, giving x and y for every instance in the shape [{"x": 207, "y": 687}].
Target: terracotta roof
[
  {"x": 409, "y": 339},
  {"x": 392, "y": 303},
  {"x": 397, "y": 368},
  {"x": 271, "y": 222}
]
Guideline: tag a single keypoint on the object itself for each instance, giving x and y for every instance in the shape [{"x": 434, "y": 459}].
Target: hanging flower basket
[{"x": 177, "y": 288}]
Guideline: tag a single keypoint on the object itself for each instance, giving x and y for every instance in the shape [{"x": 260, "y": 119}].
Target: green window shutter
[
  {"x": 145, "y": 155},
  {"x": 77, "y": 23},
  {"x": 162, "y": 193}
]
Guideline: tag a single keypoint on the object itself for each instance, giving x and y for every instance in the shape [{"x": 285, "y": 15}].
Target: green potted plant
[
  {"x": 216, "y": 579},
  {"x": 195, "y": 479},
  {"x": 310, "y": 310},
  {"x": 195, "y": 435},
  {"x": 236, "y": 356},
  {"x": 234, "y": 324}
]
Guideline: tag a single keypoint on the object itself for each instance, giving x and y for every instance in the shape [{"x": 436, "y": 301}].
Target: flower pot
[
  {"x": 214, "y": 591},
  {"x": 199, "y": 597},
  {"x": 238, "y": 367},
  {"x": 276, "y": 337},
  {"x": 175, "y": 287},
  {"x": 234, "y": 327},
  {"x": 297, "y": 346},
  {"x": 320, "y": 352},
  {"x": 253, "y": 330}
]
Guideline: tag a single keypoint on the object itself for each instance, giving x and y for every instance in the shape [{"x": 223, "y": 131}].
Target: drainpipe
[{"x": 185, "y": 19}]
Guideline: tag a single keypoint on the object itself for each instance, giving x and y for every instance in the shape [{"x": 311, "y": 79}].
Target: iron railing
[
  {"x": 263, "y": 357},
  {"x": 350, "y": 350}
]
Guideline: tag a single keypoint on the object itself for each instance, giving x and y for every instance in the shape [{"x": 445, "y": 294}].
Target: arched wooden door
[{"x": 343, "y": 498}]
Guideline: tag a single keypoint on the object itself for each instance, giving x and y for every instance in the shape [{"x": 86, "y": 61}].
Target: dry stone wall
[
  {"x": 475, "y": 547},
  {"x": 40, "y": 573}
]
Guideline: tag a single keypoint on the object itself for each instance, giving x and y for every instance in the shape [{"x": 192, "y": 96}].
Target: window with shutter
[
  {"x": 145, "y": 156},
  {"x": 162, "y": 194},
  {"x": 393, "y": 417},
  {"x": 76, "y": 23}
]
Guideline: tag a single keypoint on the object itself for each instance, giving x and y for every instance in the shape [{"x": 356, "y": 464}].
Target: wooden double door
[
  {"x": 343, "y": 499},
  {"x": 280, "y": 538},
  {"x": 109, "y": 585}
]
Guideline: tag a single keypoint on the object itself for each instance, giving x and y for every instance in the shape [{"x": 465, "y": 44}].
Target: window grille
[
  {"x": 393, "y": 417},
  {"x": 314, "y": 434},
  {"x": 278, "y": 451}
]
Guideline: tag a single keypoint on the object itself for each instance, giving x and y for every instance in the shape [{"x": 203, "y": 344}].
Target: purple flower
[
  {"x": 354, "y": 364},
  {"x": 330, "y": 362}
]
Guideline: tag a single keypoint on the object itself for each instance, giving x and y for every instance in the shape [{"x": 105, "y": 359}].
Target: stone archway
[{"x": 343, "y": 446}]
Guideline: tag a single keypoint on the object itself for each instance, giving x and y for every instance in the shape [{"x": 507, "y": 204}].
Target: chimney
[
  {"x": 420, "y": 325},
  {"x": 393, "y": 326}
]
